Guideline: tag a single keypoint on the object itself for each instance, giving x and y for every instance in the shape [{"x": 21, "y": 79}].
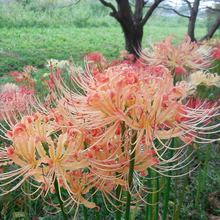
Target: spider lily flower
[
  {"x": 96, "y": 61},
  {"x": 216, "y": 53},
  {"x": 179, "y": 58},
  {"x": 24, "y": 149},
  {"x": 56, "y": 64},
  {"x": 88, "y": 141},
  {"x": 146, "y": 100},
  {"x": 42, "y": 159},
  {"x": 204, "y": 77},
  {"x": 10, "y": 87},
  {"x": 215, "y": 42},
  {"x": 25, "y": 77},
  {"x": 15, "y": 102},
  {"x": 79, "y": 184},
  {"x": 23, "y": 155}
]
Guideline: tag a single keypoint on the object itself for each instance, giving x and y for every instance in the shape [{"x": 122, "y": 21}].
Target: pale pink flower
[
  {"x": 14, "y": 102},
  {"x": 10, "y": 87},
  {"x": 145, "y": 99},
  {"x": 186, "y": 55}
]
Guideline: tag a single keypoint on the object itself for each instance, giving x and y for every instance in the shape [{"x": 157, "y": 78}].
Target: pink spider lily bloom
[
  {"x": 25, "y": 77},
  {"x": 146, "y": 100},
  {"x": 111, "y": 165},
  {"x": 216, "y": 53},
  {"x": 37, "y": 125},
  {"x": 60, "y": 157},
  {"x": 25, "y": 137},
  {"x": 78, "y": 185},
  {"x": 15, "y": 102},
  {"x": 23, "y": 155},
  {"x": 41, "y": 158},
  {"x": 96, "y": 61},
  {"x": 120, "y": 92},
  {"x": 213, "y": 42},
  {"x": 111, "y": 179},
  {"x": 186, "y": 55}
]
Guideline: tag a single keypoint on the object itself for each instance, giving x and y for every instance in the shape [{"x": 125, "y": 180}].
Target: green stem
[
  {"x": 167, "y": 189},
  {"x": 118, "y": 203},
  {"x": 131, "y": 170},
  {"x": 59, "y": 199},
  {"x": 199, "y": 177},
  {"x": 94, "y": 198},
  {"x": 176, "y": 187},
  {"x": 85, "y": 213},
  {"x": 158, "y": 197},
  {"x": 148, "y": 210},
  {"x": 25, "y": 198},
  {"x": 206, "y": 165},
  {"x": 119, "y": 188},
  {"x": 183, "y": 191},
  {"x": 135, "y": 210},
  {"x": 137, "y": 204}
]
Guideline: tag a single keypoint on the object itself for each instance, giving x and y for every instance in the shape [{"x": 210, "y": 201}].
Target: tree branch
[
  {"x": 212, "y": 30},
  {"x": 149, "y": 12},
  {"x": 74, "y": 3},
  {"x": 213, "y": 9},
  {"x": 188, "y": 3},
  {"x": 196, "y": 6},
  {"x": 114, "y": 12},
  {"x": 171, "y": 9}
]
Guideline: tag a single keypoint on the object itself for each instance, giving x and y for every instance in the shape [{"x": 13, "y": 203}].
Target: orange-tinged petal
[
  {"x": 60, "y": 145},
  {"x": 75, "y": 165},
  {"x": 175, "y": 132},
  {"x": 88, "y": 204},
  {"x": 40, "y": 149},
  {"x": 51, "y": 149},
  {"x": 18, "y": 161}
]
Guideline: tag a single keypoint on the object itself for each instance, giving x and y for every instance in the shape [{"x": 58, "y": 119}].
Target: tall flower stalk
[{"x": 130, "y": 175}]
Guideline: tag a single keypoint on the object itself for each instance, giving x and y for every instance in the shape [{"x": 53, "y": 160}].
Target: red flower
[
  {"x": 216, "y": 54},
  {"x": 15, "y": 74}
]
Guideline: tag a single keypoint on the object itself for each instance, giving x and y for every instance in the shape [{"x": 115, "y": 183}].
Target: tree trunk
[
  {"x": 192, "y": 18},
  {"x": 212, "y": 30},
  {"x": 191, "y": 28},
  {"x": 129, "y": 23},
  {"x": 133, "y": 37}
]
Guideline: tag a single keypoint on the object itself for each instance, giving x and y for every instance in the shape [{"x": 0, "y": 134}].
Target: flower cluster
[
  {"x": 56, "y": 64},
  {"x": 14, "y": 101},
  {"x": 213, "y": 43},
  {"x": 25, "y": 77},
  {"x": 145, "y": 101},
  {"x": 179, "y": 59},
  {"x": 49, "y": 149}
]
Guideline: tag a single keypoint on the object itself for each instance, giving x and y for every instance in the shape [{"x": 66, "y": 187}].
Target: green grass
[{"x": 20, "y": 47}]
